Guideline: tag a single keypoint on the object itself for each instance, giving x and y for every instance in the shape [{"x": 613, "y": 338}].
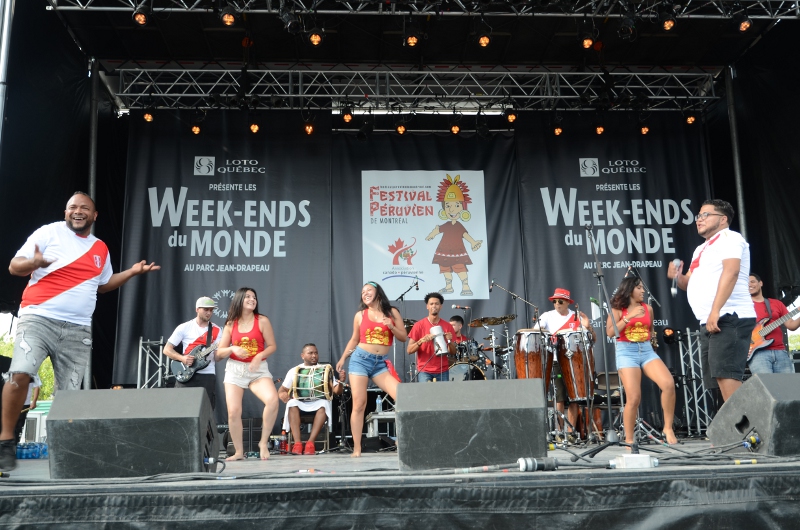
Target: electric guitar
[
  {"x": 757, "y": 340},
  {"x": 202, "y": 358}
]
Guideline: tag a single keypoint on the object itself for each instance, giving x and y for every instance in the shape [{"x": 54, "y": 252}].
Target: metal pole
[
  {"x": 87, "y": 376},
  {"x": 737, "y": 167},
  {"x": 7, "y": 13}
]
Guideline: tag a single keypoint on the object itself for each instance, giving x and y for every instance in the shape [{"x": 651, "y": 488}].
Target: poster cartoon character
[{"x": 451, "y": 254}]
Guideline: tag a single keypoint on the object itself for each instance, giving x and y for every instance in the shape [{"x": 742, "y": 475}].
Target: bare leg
[
  {"x": 358, "y": 389},
  {"x": 264, "y": 389},
  {"x": 14, "y": 393},
  {"x": 233, "y": 396},
  {"x": 658, "y": 372},
  {"x": 632, "y": 382},
  {"x": 319, "y": 421},
  {"x": 294, "y": 424},
  {"x": 387, "y": 383},
  {"x": 726, "y": 386}
]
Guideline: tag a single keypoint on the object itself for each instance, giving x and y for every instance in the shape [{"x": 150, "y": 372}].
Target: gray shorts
[
  {"x": 68, "y": 345},
  {"x": 723, "y": 355}
]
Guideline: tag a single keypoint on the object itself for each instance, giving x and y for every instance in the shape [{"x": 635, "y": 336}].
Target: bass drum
[{"x": 466, "y": 372}]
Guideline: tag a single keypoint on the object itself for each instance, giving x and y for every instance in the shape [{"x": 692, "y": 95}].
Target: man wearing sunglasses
[
  {"x": 717, "y": 289},
  {"x": 563, "y": 319}
]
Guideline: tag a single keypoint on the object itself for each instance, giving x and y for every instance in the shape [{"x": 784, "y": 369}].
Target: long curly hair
[
  {"x": 235, "y": 311},
  {"x": 622, "y": 296},
  {"x": 383, "y": 300}
]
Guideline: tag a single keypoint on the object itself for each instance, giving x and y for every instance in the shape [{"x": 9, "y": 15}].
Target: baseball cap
[{"x": 205, "y": 301}]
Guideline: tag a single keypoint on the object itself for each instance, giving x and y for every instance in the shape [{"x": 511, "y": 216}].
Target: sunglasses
[{"x": 559, "y": 302}]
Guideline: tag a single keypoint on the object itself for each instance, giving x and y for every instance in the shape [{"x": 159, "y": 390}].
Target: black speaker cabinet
[
  {"x": 470, "y": 423},
  {"x": 768, "y": 404},
  {"x": 129, "y": 433}
]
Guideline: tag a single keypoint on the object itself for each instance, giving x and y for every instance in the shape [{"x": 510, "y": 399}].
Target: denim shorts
[
  {"x": 424, "y": 377},
  {"x": 723, "y": 355},
  {"x": 771, "y": 362},
  {"x": 367, "y": 364},
  {"x": 68, "y": 345},
  {"x": 634, "y": 354}
]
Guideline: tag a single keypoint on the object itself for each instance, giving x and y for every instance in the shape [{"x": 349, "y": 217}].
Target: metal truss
[
  {"x": 150, "y": 355},
  {"x": 412, "y": 91},
  {"x": 695, "y": 396},
  {"x": 718, "y": 9}
]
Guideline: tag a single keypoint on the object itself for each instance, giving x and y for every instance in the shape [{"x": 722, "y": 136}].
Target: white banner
[{"x": 428, "y": 226}]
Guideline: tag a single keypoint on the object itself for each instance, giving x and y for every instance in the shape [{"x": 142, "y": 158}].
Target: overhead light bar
[
  {"x": 227, "y": 15},
  {"x": 140, "y": 16}
]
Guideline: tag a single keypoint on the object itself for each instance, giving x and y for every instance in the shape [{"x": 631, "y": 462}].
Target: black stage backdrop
[
  {"x": 540, "y": 190},
  {"x": 223, "y": 210}
]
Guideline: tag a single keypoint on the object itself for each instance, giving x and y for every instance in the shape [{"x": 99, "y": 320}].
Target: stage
[{"x": 334, "y": 490}]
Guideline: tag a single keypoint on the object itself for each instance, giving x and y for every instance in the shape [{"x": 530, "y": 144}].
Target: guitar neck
[{"x": 772, "y": 325}]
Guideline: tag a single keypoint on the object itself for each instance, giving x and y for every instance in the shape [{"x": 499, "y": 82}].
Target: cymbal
[
  {"x": 491, "y": 321},
  {"x": 479, "y": 322},
  {"x": 507, "y": 318}
]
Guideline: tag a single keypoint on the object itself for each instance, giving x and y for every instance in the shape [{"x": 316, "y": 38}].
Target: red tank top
[
  {"x": 374, "y": 332},
  {"x": 638, "y": 329},
  {"x": 252, "y": 341}
]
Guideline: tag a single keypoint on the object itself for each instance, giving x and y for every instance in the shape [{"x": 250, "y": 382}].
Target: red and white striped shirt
[{"x": 66, "y": 289}]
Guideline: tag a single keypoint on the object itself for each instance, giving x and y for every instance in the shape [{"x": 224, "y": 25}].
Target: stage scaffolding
[
  {"x": 151, "y": 355},
  {"x": 695, "y": 396}
]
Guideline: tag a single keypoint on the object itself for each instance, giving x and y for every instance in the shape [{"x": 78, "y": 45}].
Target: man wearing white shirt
[
  {"x": 717, "y": 288},
  {"x": 197, "y": 332}
]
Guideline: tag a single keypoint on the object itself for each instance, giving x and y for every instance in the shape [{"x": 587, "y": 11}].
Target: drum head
[{"x": 466, "y": 372}]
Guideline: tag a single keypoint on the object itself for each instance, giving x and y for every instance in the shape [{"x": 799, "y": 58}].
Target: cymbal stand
[
  {"x": 515, "y": 296},
  {"x": 492, "y": 342},
  {"x": 402, "y": 300}
]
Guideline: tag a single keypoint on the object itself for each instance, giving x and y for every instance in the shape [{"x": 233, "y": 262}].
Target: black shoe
[{"x": 8, "y": 455}]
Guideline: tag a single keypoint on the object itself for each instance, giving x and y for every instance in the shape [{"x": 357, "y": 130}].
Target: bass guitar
[
  {"x": 202, "y": 358},
  {"x": 762, "y": 329}
]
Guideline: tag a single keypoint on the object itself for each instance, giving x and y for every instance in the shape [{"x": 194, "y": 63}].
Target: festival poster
[{"x": 426, "y": 226}]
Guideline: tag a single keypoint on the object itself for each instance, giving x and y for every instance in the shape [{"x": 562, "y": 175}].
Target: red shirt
[
  {"x": 638, "y": 329},
  {"x": 252, "y": 341},
  {"x": 374, "y": 332},
  {"x": 427, "y": 360},
  {"x": 778, "y": 310},
  {"x": 459, "y": 338}
]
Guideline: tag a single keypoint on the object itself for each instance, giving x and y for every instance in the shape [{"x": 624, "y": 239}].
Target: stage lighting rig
[
  {"x": 666, "y": 18},
  {"x": 671, "y": 336},
  {"x": 148, "y": 115},
  {"x": 365, "y": 130},
  {"x": 400, "y": 127},
  {"x": 308, "y": 127},
  {"x": 644, "y": 129},
  {"x": 254, "y": 124},
  {"x": 558, "y": 129},
  {"x": 227, "y": 15},
  {"x": 347, "y": 114},
  {"x": 141, "y": 16},
  {"x": 482, "y": 127},
  {"x": 742, "y": 20},
  {"x": 411, "y": 38},
  {"x": 510, "y": 115},
  {"x": 455, "y": 124},
  {"x": 588, "y": 35},
  {"x": 315, "y": 36},
  {"x": 627, "y": 29},
  {"x": 484, "y": 33},
  {"x": 290, "y": 21},
  {"x": 690, "y": 119}
]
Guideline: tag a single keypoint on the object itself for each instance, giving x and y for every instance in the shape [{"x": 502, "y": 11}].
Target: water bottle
[
  {"x": 34, "y": 451},
  {"x": 44, "y": 453},
  {"x": 378, "y": 405},
  {"x": 284, "y": 443}
]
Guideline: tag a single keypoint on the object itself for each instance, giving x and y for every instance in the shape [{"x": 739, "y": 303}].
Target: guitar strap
[
  {"x": 211, "y": 326},
  {"x": 769, "y": 311}
]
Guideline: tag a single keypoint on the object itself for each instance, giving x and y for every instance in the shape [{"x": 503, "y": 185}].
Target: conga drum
[
  {"x": 528, "y": 347},
  {"x": 577, "y": 364}
]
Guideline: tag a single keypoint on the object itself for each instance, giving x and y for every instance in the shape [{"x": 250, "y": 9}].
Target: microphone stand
[
  {"x": 402, "y": 300},
  {"x": 650, "y": 297}
]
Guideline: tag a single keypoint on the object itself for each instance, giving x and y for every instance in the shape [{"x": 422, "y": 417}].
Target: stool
[{"x": 306, "y": 421}]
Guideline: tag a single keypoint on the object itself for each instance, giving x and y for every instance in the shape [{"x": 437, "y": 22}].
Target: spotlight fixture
[
  {"x": 671, "y": 336},
  {"x": 148, "y": 115},
  {"x": 254, "y": 127},
  {"x": 484, "y": 39},
  {"x": 400, "y": 127},
  {"x": 140, "y": 17},
  {"x": 481, "y": 127},
  {"x": 599, "y": 129},
  {"x": 666, "y": 18},
  {"x": 196, "y": 128},
  {"x": 365, "y": 130},
  {"x": 254, "y": 124},
  {"x": 742, "y": 21},
  {"x": 644, "y": 129},
  {"x": 587, "y": 41},
  {"x": 308, "y": 127},
  {"x": 411, "y": 38},
  {"x": 227, "y": 16},
  {"x": 290, "y": 22},
  {"x": 557, "y": 130},
  {"x": 315, "y": 37},
  {"x": 627, "y": 29},
  {"x": 510, "y": 115},
  {"x": 690, "y": 119},
  {"x": 347, "y": 114},
  {"x": 455, "y": 126}
]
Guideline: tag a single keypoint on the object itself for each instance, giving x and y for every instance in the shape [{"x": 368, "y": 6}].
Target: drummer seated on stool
[
  {"x": 432, "y": 362},
  {"x": 291, "y": 419},
  {"x": 564, "y": 319}
]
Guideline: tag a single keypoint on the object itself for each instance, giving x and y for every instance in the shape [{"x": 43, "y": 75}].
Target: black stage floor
[{"x": 336, "y": 491}]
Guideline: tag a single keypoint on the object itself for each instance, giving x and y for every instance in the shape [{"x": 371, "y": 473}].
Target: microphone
[
  {"x": 491, "y": 285},
  {"x": 674, "y": 288},
  {"x": 461, "y": 306},
  {"x": 417, "y": 283}
]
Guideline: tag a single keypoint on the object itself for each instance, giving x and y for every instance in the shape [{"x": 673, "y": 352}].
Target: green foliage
[
  {"x": 45, "y": 371},
  {"x": 794, "y": 341}
]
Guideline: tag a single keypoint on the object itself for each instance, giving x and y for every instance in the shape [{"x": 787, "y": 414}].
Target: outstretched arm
[
  {"x": 22, "y": 266},
  {"x": 119, "y": 279}
]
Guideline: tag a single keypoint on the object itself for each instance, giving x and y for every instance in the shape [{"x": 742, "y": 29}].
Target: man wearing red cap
[{"x": 564, "y": 319}]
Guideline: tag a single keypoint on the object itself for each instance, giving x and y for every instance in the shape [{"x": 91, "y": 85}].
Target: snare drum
[
  {"x": 467, "y": 350},
  {"x": 528, "y": 345},
  {"x": 466, "y": 372},
  {"x": 313, "y": 382},
  {"x": 577, "y": 364}
]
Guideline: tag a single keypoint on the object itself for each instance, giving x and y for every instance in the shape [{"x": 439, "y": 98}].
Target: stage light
[
  {"x": 254, "y": 124},
  {"x": 411, "y": 38},
  {"x": 400, "y": 128},
  {"x": 644, "y": 129},
  {"x": 365, "y": 130},
  {"x": 599, "y": 129},
  {"x": 587, "y": 41},
  {"x": 254, "y": 128},
  {"x": 315, "y": 37},
  {"x": 290, "y": 22},
  {"x": 309, "y": 127},
  {"x": 627, "y": 29},
  {"x": 511, "y": 115},
  {"x": 667, "y": 17},
  {"x": 196, "y": 129},
  {"x": 140, "y": 16},
  {"x": 347, "y": 114},
  {"x": 149, "y": 115},
  {"x": 484, "y": 39},
  {"x": 227, "y": 16},
  {"x": 690, "y": 119},
  {"x": 557, "y": 130},
  {"x": 742, "y": 21},
  {"x": 671, "y": 336},
  {"x": 455, "y": 126}
]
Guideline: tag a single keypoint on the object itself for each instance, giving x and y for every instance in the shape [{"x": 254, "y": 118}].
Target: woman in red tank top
[
  {"x": 375, "y": 327},
  {"x": 248, "y": 340},
  {"x": 635, "y": 355}
]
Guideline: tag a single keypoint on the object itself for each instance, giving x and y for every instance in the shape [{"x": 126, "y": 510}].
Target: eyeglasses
[
  {"x": 705, "y": 215},
  {"x": 559, "y": 302}
]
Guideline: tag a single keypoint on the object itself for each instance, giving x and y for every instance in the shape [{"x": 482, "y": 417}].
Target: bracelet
[{"x": 626, "y": 320}]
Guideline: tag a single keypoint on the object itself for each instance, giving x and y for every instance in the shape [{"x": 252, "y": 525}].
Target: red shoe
[
  {"x": 310, "y": 450},
  {"x": 297, "y": 448}
]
